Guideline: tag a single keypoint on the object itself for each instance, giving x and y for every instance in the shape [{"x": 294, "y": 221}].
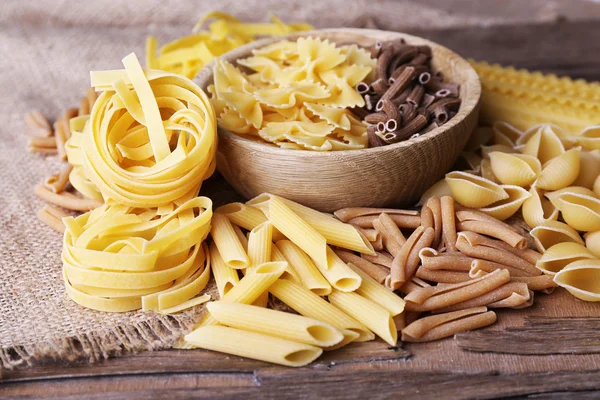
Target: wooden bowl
[{"x": 393, "y": 175}]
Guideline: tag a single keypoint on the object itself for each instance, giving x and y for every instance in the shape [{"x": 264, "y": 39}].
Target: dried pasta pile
[
  {"x": 341, "y": 273},
  {"x": 407, "y": 98},
  {"x": 298, "y": 96}
]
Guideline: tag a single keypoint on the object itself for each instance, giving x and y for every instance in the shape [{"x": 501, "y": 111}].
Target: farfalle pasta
[{"x": 297, "y": 95}]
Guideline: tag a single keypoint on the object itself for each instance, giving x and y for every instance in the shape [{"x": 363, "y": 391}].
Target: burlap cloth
[{"x": 47, "y": 48}]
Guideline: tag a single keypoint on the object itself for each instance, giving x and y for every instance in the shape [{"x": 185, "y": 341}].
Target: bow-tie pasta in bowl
[{"x": 341, "y": 117}]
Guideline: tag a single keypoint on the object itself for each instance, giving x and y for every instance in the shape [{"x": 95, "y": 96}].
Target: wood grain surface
[{"x": 547, "y": 351}]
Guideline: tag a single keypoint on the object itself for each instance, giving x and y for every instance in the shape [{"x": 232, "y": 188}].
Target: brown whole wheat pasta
[
  {"x": 538, "y": 283},
  {"x": 400, "y": 83},
  {"x": 38, "y": 124},
  {"x": 52, "y": 217},
  {"x": 412, "y": 285},
  {"x": 494, "y": 230},
  {"x": 383, "y": 62},
  {"x": 397, "y": 276},
  {"x": 374, "y": 271},
  {"x": 467, "y": 214},
  {"x": 390, "y": 243},
  {"x": 392, "y": 230},
  {"x": 346, "y": 214},
  {"x": 448, "y": 222},
  {"x": 481, "y": 267},
  {"x": 370, "y": 234},
  {"x": 391, "y": 111},
  {"x": 439, "y": 326},
  {"x": 441, "y": 296},
  {"x": 374, "y": 139},
  {"x": 401, "y": 220},
  {"x": 441, "y": 276},
  {"x": 531, "y": 256},
  {"x": 64, "y": 200},
  {"x": 433, "y": 260},
  {"x": 377, "y": 244},
  {"x": 436, "y": 208},
  {"x": 42, "y": 142},
  {"x": 380, "y": 258},
  {"x": 416, "y": 95},
  {"x": 377, "y": 117},
  {"x": 517, "y": 292},
  {"x": 58, "y": 182},
  {"x": 412, "y": 261},
  {"x": 380, "y": 86}
]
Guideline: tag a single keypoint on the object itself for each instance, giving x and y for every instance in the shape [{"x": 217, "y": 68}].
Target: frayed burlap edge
[{"x": 159, "y": 332}]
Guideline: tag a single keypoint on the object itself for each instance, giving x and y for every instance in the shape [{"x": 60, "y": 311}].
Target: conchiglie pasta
[
  {"x": 537, "y": 210},
  {"x": 589, "y": 169},
  {"x": 592, "y": 242},
  {"x": 505, "y": 209},
  {"x": 515, "y": 169},
  {"x": 552, "y": 196},
  {"x": 580, "y": 211},
  {"x": 544, "y": 144},
  {"x": 550, "y": 233},
  {"x": 474, "y": 191},
  {"x": 589, "y": 138},
  {"x": 560, "y": 171},
  {"x": 560, "y": 255},
  {"x": 581, "y": 279}
]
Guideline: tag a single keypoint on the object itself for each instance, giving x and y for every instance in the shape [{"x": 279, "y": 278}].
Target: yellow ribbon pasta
[
  {"x": 117, "y": 258},
  {"x": 150, "y": 139}
]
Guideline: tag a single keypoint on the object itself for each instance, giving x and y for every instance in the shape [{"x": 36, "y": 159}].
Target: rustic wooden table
[{"x": 551, "y": 350}]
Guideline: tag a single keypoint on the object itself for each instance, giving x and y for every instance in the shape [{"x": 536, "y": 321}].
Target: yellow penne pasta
[
  {"x": 338, "y": 274},
  {"x": 225, "y": 277},
  {"x": 275, "y": 323},
  {"x": 243, "y": 215},
  {"x": 250, "y": 287},
  {"x": 335, "y": 232},
  {"x": 289, "y": 273},
  {"x": 242, "y": 238},
  {"x": 375, "y": 317},
  {"x": 253, "y": 345},
  {"x": 297, "y": 230},
  {"x": 376, "y": 292},
  {"x": 228, "y": 243},
  {"x": 260, "y": 243},
  {"x": 308, "y": 274},
  {"x": 311, "y": 305}
]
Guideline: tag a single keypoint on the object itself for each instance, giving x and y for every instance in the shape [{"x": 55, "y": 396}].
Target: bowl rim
[{"x": 469, "y": 104}]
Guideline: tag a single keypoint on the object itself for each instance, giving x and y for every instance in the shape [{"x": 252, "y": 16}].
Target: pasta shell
[
  {"x": 537, "y": 210},
  {"x": 485, "y": 168},
  {"x": 544, "y": 145},
  {"x": 480, "y": 136},
  {"x": 505, "y": 133},
  {"x": 474, "y": 191},
  {"x": 505, "y": 209},
  {"x": 515, "y": 169},
  {"x": 560, "y": 255},
  {"x": 550, "y": 233},
  {"x": 486, "y": 150},
  {"x": 589, "y": 168},
  {"x": 581, "y": 212},
  {"x": 469, "y": 159},
  {"x": 561, "y": 171},
  {"x": 589, "y": 138},
  {"x": 596, "y": 186},
  {"x": 439, "y": 189},
  {"x": 552, "y": 196},
  {"x": 581, "y": 279},
  {"x": 592, "y": 242}
]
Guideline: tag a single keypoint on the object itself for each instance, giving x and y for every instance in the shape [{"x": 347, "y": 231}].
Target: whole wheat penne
[
  {"x": 482, "y": 267},
  {"x": 431, "y": 259},
  {"x": 337, "y": 273},
  {"x": 441, "y": 276},
  {"x": 390, "y": 243},
  {"x": 312, "y": 305},
  {"x": 370, "y": 234},
  {"x": 51, "y": 220},
  {"x": 84, "y": 106},
  {"x": 400, "y": 321},
  {"x": 42, "y": 142},
  {"x": 306, "y": 270},
  {"x": 372, "y": 315},
  {"x": 388, "y": 224},
  {"x": 412, "y": 285},
  {"x": 228, "y": 243},
  {"x": 376, "y": 272},
  {"x": 448, "y": 222},
  {"x": 516, "y": 291},
  {"x": 253, "y": 345},
  {"x": 539, "y": 283},
  {"x": 250, "y": 287},
  {"x": 494, "y": 230},
  {"x": 297, "y": 230},
  {"x": 412, "y": 261},
  {"x": 275, "y": 323},
  {"x": 403, "y": 221},
  {"x": 42, "y": 150},
  {"x": 427, "y": 217},
  {"x": 225, "y": 277},
  {"x": 58, "y": 182},
  {"x": 493, "y": 254},
  {"x": 61, "y": 138},
  {"x": 436, "y": 208},
  {"x": 63, "y": 200},
  {"x": 376, "y": 292},
  {"x": 468, "y": 214},
  {"x": 381, "y": 258},
  {"x": 377, "y": 244},
  {"x": 397, "y": 276},
  {"x": 38, "y": 124},
  {"x": 436, "y": 297},
  {"x": 444, "y": 325},
  {"x": 531, "y": 256},
  {"x": 346, "y": 214}
]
